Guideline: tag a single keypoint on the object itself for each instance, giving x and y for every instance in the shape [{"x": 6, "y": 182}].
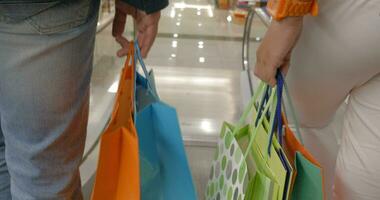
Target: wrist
[
  {"x": 291, "y": 22},
  {"x": 295, "y": 21}
]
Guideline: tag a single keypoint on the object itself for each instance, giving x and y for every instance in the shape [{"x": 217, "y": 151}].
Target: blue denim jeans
[{"x": 46, "y": 52}]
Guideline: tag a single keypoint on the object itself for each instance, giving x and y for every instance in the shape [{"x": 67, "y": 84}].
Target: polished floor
[{"x": 197, "y": 60}]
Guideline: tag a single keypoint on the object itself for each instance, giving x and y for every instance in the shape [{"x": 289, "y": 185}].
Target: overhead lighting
[
  {"x": 200, "y": 44},
  {"x": 206, "y": 126},
  {"x": 229, "y": 18},
  {"x": 202, "y": 59},
  {"x": 175, "y": 35},
  {"x": 199, "y": 24},
  {"x": 174, "y": 44},
  {"x": 198, "y": 12},
  {"x": 178, "y": 23},
  {"x": 173, "y": 55},
  {"x": 179, "y": 15},
  {"x": 183, "y": 5},
  {"x": 172, "y": 13}
]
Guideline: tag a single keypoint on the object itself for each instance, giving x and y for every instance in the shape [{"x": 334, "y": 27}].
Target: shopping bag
[
  {"x": 146, "y": 96},
  {"x": 165, "y": 173},
  {"x": 261, "y": 187},
  {"x": 117, "y": 175},
  {"x": 229, "y": 176},
  {"x": 270, "y": 157},
  {"x": 258, "y": 172},
  {"x": 308, "y": 181}
]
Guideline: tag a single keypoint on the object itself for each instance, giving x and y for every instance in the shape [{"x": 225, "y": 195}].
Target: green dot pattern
[
  {"x": 229, "y": 195},
  {"x": 224, "y": 162},
  {"x": 228, "y": 170},
  {"x": 221, "y": 182}
]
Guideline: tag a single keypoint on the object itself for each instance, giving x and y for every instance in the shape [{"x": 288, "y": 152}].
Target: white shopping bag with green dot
[{"x": 242, "y": 168}]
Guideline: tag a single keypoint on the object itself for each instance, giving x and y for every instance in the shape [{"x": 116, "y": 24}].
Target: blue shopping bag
[{"x": 164, "y": 169}]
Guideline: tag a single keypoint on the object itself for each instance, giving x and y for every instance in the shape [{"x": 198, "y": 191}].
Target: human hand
[
  {"x": 276, "y": 48},
  {"x": 147, "y": 27}
]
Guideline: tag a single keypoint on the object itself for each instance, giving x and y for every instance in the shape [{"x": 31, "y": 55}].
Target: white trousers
[{"x": 338, "y": 55}]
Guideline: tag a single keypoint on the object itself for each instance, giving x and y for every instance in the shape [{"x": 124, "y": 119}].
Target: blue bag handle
[
  {"x": 139, "y": 58},
  {"x": 278, "y": 121},
  {"x": 146, "y": 73}
]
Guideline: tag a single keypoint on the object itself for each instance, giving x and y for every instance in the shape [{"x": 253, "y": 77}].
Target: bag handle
[
  {"x": 292, "y": 113},
  {"x": 256, "y": 126},
  {"x": 249, "y": 108},
  {"x": 264, "y": 101},
  {"x": 281, "y": 121},
  {"x": 274, "y": 122},
  {"x": 277, "y": 123},
  {"x": 128, "y": 65},
  {"x": 139, "y": 58}
]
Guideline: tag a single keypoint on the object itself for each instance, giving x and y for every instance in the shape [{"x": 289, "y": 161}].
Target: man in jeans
[{"x": 46, "y": 52}]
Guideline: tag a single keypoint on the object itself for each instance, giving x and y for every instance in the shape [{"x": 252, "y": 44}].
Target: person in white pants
[{"x": 334, "y": 56}]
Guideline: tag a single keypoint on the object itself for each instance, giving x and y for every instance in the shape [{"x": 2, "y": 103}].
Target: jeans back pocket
[
  {"x": 64, "y": 16},
  {"x": 17, "y": 11}
]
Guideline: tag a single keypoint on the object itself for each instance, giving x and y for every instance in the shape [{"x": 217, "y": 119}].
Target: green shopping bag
[
  {"x": 229, "y": 174},
  {"x": 261, "y": 187},
  {"x": 276, "y": 165},
  {"x": 242, "y": 152}
]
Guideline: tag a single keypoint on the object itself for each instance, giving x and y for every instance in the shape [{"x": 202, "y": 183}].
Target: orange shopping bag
[
  {"x": 292, "y": 145},
  {"x": 118, "y": 176},
  {"x": 307, "y": 182}
]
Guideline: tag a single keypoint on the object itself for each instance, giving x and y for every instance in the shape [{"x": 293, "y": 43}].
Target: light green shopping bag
[
  {"x": 229, "y": 174},
  {"x": 261, "y": 187},
  {"x": 275, "y": 166},
  {"x": 241, "y": 154}
]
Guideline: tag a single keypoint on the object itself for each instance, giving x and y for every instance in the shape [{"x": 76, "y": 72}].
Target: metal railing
[{"x": 265, "y": 19}]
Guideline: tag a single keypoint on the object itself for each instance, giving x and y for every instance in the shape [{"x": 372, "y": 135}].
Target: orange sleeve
[{"x": 280, "y": 9}]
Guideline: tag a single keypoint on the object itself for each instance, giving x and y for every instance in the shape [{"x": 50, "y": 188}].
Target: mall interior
[
  {"x": 198, "y": 62},
  {"x": 202, "y": 59},
  {"x": 236, "y": 100}
]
